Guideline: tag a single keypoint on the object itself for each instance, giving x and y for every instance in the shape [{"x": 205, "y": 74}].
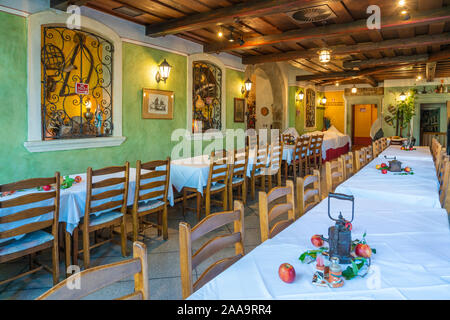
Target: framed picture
[
  {"x": 157, "y": 104},
  {"x": 239, "y": 110},
  {"x": 310, "y": 109}
]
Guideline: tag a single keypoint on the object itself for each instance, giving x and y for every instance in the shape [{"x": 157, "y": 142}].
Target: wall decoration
[
  {"x": 207, "y": 96},
  {"x": 239, "y": 110},
  {"x": 310, "y": 109},
  {"x": 265, "y": 111},
  {"x": 157, "y": 104},
  {"x": 365, "y": 92}
]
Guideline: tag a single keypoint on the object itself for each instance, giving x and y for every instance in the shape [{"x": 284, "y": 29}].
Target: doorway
[
  {"x": 433, "y": 123},
  {"x": 364, "y": 115}
]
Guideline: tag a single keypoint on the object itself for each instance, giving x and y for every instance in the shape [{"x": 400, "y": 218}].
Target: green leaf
[
  {"x": 374, "y": 250},
  {"x": 355, "y": 268}
]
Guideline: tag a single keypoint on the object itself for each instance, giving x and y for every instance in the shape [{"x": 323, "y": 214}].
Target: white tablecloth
[
  {"x": 420, "y": 154},
  {"x": 412, "y": 259},
  {"x": 73, "y": 201},
  {"x": 420, "y": 189}
]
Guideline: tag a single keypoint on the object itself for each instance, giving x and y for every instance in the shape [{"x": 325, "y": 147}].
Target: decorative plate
[{"x": 264, "y": 111}]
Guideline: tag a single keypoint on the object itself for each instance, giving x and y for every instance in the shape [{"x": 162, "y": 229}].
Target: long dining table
[{"x": 411, "y": 238}]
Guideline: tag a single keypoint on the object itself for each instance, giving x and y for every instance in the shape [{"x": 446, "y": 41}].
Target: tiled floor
[{"x": 163, "y": 260}]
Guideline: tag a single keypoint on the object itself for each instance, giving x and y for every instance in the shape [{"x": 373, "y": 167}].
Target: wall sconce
[
  {"x": 324, "y": 100},
  {"x": 354, "y": 89},
  {"x": 247, "y": 86},
  {"x": 164, "y": 71},
  {"x": 88, "y": 114},
  {"x": 299, "y": 96},
  {"x": 402, "y": 96}
]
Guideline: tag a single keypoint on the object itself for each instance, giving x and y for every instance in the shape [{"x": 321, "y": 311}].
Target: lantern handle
[{"x": 341, "y": 196}]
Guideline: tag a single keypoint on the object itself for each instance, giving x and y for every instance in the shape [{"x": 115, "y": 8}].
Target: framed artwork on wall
[
  {"x": 310, "y": 109},
  {"x": 239, "y": 110},
  {"x": 157, "y": 104}
]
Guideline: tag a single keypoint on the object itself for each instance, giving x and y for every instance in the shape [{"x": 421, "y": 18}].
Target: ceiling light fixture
[{"x": 324, "y": 55}]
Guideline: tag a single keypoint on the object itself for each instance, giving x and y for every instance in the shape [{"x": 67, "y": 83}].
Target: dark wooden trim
[
  {"x": 64, "y": 4},
  {"x": 384, "y": 61}
]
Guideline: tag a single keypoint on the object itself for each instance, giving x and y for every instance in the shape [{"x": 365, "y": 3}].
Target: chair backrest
[
  {"x": 334, "y": 171},
  {"x": 287, "y": 137},
  {"x": 308, "y": 192},
  {"x": 152, "y": 181},
  {"x": 443, "y": 176},
  {"x": 260, "y": 162},
  {"x": 252, "y": 141},
  {"x": 239, "y": 163},
  {"x": 42, "y": 206},
  {"x": 302, "y": 147},
  {"x": 218, "y": 167},
  {"x": 383, "y": 143},
  {"x": 349, "y": 164},
  {"x": 189, "y": 261},
  {"x": 315, "y": 145},
  {"x": 440, "y": 156},
  {"x": 376, "y": 148},
  {"x": 369, "y": 154},
  {"x": 110, "y": 189},
  {"x": 275, "y": 158},
  {"x": 360, "y": 156},
  {"x": 96, "y": 278},
  {"x": 267, "y": 212}
]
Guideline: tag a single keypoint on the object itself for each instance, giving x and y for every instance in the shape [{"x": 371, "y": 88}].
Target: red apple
[
  {"x": 411, "y": 148},
  {"x": 384, "y": 171},
  {"x": 78, "y": 179},
  {"x": 383, "y": 165},
  {"x": 363, "y": 250},
  {"x": 47, "y": 188},
  {"x": 317, "y": 240},
  {"x": 286, "y": 272},
  {"x": 407, "y": 169}
]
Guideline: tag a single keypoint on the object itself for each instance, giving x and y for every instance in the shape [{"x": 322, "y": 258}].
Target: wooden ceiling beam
[
  {"x": 354, "y": 49},
  {"x": 250, "y": 9},
  {"x": 385, "y": 61},
  {"x": 371, "y": 80},
  {"x": 335, "y": 30},
  {"x": 64, "y": 4}
]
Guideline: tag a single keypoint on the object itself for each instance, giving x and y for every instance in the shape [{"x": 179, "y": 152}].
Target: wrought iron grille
[
  {"x": 70, "y": 60},
  {"x": 207, "y": 97}
]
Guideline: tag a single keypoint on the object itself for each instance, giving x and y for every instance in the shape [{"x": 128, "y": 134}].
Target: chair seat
[
  {"x": 30, "y": 240},
  {"x": 258, "y": 172},
  {"x": 217, "y": 186},
  {"x": 237, "y": 180},
  {"x": 104, "y": 218},
  {"x": 150, "y": 205}
]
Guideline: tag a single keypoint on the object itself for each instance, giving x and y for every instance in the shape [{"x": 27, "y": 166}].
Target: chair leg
[
  {"x": 199, "y": 205},
  {"x": 225, "y": 199},
  {"x": 230, "y": 195},
  {"x": 55, "y": 261},
  {"x": 86, "y": 245},
  {"x": 263, "y": 182},
  {"x": 270, "y": 182},
  {"x": 253, "y": 181},
  {"x": 244, "y": 193},
  {"x": 279, "y": 177},
  {"x": 67, "y": 247},
  {"x": 75, "y": 246},
  {"x": 123, "y": 236},
  {"x": 159, "y": 223},
  {"x": 165, "y": 231},
  {"x": 135, "y": 225},
  {"x": 184, "y": 202}
]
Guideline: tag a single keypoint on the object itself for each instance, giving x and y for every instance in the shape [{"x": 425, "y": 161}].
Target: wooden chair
[
  {"x": 189, "y": 261},
  {"x": 266, "y": 215},
  {"x": 360, "y": 156},
  {"x": 349, "y": 165},
  {"x": 96, "y": 278},
  {"x": 383, "y": 142},
  {"x": 308, "y": 192},
  {"x": 286, "y": 138},
  {"x": 443, "y": 178},
  {"x": 334, "y": 171},
  {"x": 315, "y": 154},
  {"x": 217, "y": 183},
  {"x": 376, "y": 148},
  {"x": 252, "y": 141},
  {"x": 31, "y": 237},
  {"x": 275, "y": 160},
  {"x": 369, "y": 154},
  {"x": 259, "y": 168},
  {"x": 299, "y": 163},
  {"x": 238, "y": 175},
  {"x": 150, "y": 196},
  {"x": 439, "y": 157},
  {"x": 111, "y": 213}
]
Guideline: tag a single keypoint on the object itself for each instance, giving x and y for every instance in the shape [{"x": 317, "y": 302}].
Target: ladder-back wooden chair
[
  {"x": 275, "y": 160},
  {"x": 150, "y": 196},
  {"x": 269, "y": 211},
  {"x": 315, "y": 152},
  {"x": 252, "y": 141},
  {"x": 359, "y": 159},
  {"x": 109, "y": 186},
  {"x": 376, "y": 148},
  {"x": 190, "y": 261},
  {"x": 383, "y": 142},
  {"x": 334, "y": 172},
  {"x": 369, "y": 154},
  {"x": 238, "y": 175},
  {"x": 97, "y": 278},
  {"x": 439, "y": 158},
  {"x": 349, "y": 164},
  {"x": 443, "y": 176},
  {"x": 287, "y": 137},
  {"x": 299, "y": 163},
  {"x": 259, "y": 168},
  {"x": 32, "y": 214},
  {"x": 308, "y": 192}
]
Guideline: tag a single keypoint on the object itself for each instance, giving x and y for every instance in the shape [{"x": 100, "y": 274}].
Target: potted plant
[{"x": 401, "y": 114}]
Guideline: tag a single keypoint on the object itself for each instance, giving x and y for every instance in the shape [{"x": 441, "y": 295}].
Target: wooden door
[{"x": 364, "y": 115}]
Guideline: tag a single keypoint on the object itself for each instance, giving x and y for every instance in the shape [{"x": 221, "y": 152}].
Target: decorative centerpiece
[
  {"x": 341, "y": 250},
  {"x": 394, "y": 166}
]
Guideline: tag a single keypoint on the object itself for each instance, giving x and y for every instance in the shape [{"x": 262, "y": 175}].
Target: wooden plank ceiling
[{"x": 283, "y": 30}]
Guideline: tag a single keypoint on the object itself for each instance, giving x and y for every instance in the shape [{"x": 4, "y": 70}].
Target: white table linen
[
  {"x": 420, "y": 154},
  {"x": 420, "y": 189},
  {"x": 411, "y": 260}
]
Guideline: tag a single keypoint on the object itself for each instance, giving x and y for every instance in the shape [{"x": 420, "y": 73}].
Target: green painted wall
[
  {"x": 297, "y": 112},
  {"x": 147, "y": 139}
]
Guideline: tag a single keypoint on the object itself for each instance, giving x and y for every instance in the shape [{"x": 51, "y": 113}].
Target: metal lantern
[
  {"x": 340, "y": 235},
  {"x": 300, "y": 96},
  {"x": 248, "y": 85},
  {"x": 324, "y": 55},
  {"x": 164, "y": 71},
  {"x": 324, "y": 100},
  {"x": 354, "y": 89},
  {"x": 402, "y": 96}
]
